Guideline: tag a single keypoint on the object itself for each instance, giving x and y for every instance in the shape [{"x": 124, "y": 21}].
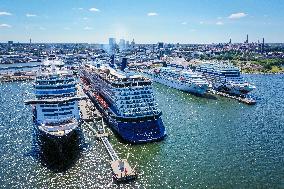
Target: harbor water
[{"x": 211, "y": 141}]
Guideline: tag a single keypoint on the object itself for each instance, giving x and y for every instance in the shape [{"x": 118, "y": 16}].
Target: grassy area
[
  {"x": 264, "y": 66},
  {"x": 251, "y": 62}
]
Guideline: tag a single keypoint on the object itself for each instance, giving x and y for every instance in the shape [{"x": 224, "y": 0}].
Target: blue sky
[{"x": 147, "y": 21}]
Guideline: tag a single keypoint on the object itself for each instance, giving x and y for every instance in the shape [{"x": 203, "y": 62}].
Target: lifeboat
[{"x": 101, "y": 100}]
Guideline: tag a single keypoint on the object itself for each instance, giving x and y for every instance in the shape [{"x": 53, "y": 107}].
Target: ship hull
[
  {"x": 59, "y": 153},
  {"x": 187, "y": 87},
  {"x": 143, "y": 131}
]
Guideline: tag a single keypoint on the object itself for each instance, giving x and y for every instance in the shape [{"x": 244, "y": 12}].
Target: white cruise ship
[
  {"x": 225, "y": 78},
  {"x": 184, "y": 80},
  {"x": 55, "y": 109}
]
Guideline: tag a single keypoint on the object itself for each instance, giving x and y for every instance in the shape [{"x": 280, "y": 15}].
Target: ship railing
[
  {"x": 141, "y": 114},
  {"x": 59, "y": 127},
  {"x": 56, "y": 84},
  {"x": 55, "y": 87},
  {"x": 53, "y": 96}
]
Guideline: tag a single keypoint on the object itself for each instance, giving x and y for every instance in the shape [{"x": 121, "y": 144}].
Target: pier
[
  {"x": 15, "y": 78},
  {"x": 245, "y": 100},
  {"x": 122, "y": 171}
]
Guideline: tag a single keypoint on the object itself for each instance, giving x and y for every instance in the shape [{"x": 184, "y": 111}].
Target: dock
[
  {"x": 15, "y": 78},
  {"x": 245, "y": 100},
  {"x": 122, "y": 171}
]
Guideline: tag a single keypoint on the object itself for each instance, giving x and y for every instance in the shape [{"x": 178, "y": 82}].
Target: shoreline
[{"x": 262, "y": 73}]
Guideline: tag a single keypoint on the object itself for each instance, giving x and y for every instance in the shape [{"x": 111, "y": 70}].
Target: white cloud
[
  {"x": 30, "y": 15},
  {"x": 87, "y": 28},
  {"x": 80, "y": 8},
  {"x": 94, "y": 9},
  {"x": 5, "y": 26},
  {"x": 152, "y": 14},
  {"x": 184, "y": 23},
  {"x": 219, "y": 23},
  {"x": 237, "y": 15},
  {"x": 5, "y": 14},
  {"x": 201, "y": 22}
]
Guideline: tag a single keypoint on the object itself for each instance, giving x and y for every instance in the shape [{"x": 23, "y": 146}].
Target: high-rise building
[
  {"x": 112, "y": 44},
  {"x": 160, "y": 45},
  {"x": 132, "y": 44},
  {"x": 262, "y": 45},
  {"x": 121, "y": 44},
  {"x": 127, "y": 44},
  {"x": 247, "y": 40}
]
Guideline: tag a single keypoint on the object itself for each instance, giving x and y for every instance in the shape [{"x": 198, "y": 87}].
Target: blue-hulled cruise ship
[
  {"x": 126, "y": 101},
  {"x": 55, "y": 109},
  {"x": 225, "y": 78}
]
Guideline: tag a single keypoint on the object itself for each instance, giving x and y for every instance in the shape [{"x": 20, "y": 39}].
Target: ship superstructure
[
  {"x": 225, "y": 78},
  {"x": 55, "y": 108},
  {"x": 126, "y": 101}
]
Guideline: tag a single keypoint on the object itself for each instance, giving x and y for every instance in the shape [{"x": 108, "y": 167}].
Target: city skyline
[{"x": 146, "y": 21}]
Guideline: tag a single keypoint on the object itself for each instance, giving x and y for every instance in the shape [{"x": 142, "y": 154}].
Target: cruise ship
[
  {"x": 55, "y": 107},
  {"x": 184, "y": 80},
  {"x": 125, "y": 100},
  {"x": 225, "y": 78}
]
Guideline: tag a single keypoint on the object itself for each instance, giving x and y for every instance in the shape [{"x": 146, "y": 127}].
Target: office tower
[
  {"x": 121, "y": 44},
  {"x": 127, "y": 44},
  {"x": 247, "y": 40},
  {"x": 132, "y": 44},
  {"x": 262, "y": 45},
  {"x": 112, "y": 44},
  {"x": 160, "y": 45}
]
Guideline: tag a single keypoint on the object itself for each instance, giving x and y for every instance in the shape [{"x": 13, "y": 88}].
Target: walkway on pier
[
  {"x": 120, "y": 167},
  {"x": 110, "y": 149},
  {"x": 246, "y": 100}
]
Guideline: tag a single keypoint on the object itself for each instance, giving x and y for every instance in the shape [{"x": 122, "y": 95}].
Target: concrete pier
[
  {"x": 245, "y": 100},
  {"x": 16, "y": 78},
  {"x": 121, "y": 169}
]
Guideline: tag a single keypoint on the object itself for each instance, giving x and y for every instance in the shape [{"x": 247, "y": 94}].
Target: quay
[
  {"x": 18, "y": 67},
  {"x": 16, "y": 78},
  {"x": 245, "y": 100},
  {"x": 122, "y": 171}
]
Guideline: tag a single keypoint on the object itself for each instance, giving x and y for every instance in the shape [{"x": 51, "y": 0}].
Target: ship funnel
[
  {"x": 112, "y": 61},
  {"x": 123, "y": 64}
]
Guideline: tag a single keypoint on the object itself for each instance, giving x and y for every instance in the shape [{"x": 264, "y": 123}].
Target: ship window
[
  {"x": 47, "y": 105},
  {"x": 65, "y": 113},
  {"x": 49, "y": 110}
]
